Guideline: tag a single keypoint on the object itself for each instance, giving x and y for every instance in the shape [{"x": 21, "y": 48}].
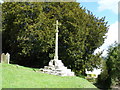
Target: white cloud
[
  {"x": 108, "y": 5},
  {"x": 112, "y": 36},
  {"x": 112, "y": 33},
  {"x": 1, "y": 1}
]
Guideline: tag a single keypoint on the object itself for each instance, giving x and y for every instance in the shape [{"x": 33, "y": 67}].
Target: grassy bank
[{"x": 14, "y": 76}]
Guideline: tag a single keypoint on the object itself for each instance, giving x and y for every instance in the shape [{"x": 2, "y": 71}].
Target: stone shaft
[{"x": 56, "y": 41}]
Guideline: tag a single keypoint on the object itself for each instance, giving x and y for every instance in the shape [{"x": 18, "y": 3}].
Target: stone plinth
[{"x": 56, "y": 67}]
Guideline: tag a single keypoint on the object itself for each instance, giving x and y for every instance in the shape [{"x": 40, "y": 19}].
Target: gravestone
[
  {"x": 2, "y": 57},
  {"x": 5, "y": 58},
  {"x": 56, "y": 67}
]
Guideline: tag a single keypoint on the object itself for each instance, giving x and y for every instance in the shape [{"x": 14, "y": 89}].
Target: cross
[
  {"x": 56, "y": 41},
  {"x": 57, "y": 24}
]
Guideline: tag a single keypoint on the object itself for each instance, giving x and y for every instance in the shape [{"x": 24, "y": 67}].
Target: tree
[
  {"x": 113, "y": 64},
  {"x": 24, "y": 27},
  {"x": 77, "y": 36},
  {"x": 110, "y": 75},
  {"x": 28, "y": 34}
]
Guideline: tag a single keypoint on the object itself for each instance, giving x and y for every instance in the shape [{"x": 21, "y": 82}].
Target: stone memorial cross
[
  {"x": 56, "y": 41},
  {"x": 56, "y": 67}
]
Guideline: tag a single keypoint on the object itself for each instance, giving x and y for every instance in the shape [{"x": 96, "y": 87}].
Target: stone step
[{"x": 58, "y": 69}]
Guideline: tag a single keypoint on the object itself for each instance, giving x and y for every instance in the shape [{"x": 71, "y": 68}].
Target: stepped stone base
[{"x": 56, "y": 67}]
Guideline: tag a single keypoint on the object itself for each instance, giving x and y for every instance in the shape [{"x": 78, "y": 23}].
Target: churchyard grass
[
  {"x": 0, "y": 76},
  {"x": 14, "y": 76}
]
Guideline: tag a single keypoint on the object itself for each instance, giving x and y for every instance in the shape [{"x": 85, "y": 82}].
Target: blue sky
[
  {"x": 93, "y": 7},
  {"x": 109, "y": 9}
]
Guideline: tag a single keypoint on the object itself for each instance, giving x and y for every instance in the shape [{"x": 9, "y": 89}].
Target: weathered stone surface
[
  {"x": 56, "y": 67},
  {"x": 5, "y": 58}
]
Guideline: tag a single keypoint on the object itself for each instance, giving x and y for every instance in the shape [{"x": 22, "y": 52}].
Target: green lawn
[{"x": 21, "y": 77}]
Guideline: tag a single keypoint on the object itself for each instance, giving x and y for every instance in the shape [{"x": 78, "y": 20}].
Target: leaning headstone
[
  {"x": 2, "y": 57},
  {"x": 5, "y": 58}
]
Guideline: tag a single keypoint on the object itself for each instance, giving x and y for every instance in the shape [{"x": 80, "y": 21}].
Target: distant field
[{"x": 21, "y": 77}]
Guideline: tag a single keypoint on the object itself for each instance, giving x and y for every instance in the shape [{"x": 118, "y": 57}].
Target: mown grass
[
  {"x": 0, "y": 76},
  {"x": 21, "y": 77}
]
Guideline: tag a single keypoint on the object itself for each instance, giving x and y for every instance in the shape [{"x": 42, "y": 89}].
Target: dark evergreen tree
[
  {"x": 29, "y": 34},
  {"x": 111, "y": 68}
]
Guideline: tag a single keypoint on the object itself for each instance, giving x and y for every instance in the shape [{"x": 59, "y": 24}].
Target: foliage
[
  {"x": 28, "y": 34},
  {"x": 27, "y": 37},
  {"x": 111, "y": 68},
  {"x": 92, "y": 80},
  {"x": 0, "y": 18},
  {"x": 102, "y": 80},
  {"x": 14, "y": 76},
  {"x": 113, "y": 64}
]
